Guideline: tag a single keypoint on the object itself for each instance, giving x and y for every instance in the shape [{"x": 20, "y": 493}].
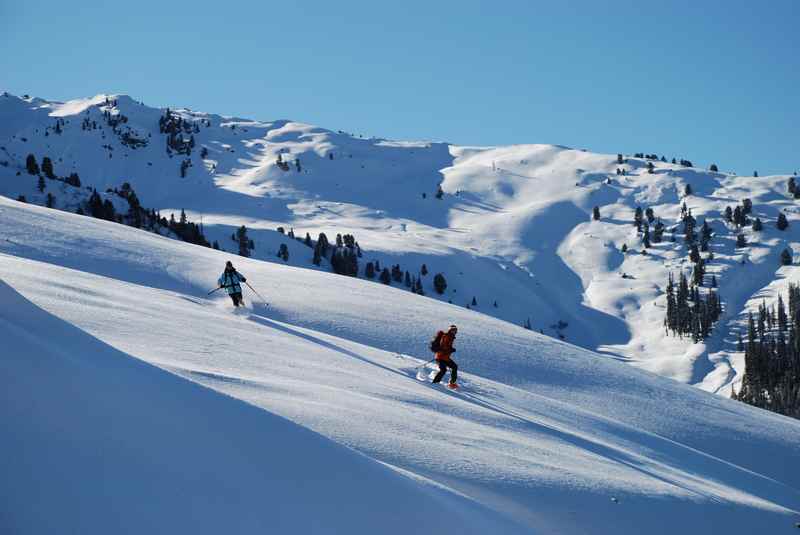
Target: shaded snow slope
[
  {"x": 543, "y": 435},
  {"x": 512, "y": 229},
  {"x": 94, "y": 441}
]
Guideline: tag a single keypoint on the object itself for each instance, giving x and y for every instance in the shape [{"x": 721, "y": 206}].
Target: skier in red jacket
[{"x": 443, "y": 359}]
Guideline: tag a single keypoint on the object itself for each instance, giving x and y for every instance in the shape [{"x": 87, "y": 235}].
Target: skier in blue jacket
[{"x": 230, "y": 280}]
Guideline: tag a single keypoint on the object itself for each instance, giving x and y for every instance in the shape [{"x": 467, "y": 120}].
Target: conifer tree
[
  {"x": 782, "y": 223},
  {"x": 31, "y": 166},
  {"x": 596, "y": 213},
  {"x": 40, "y": 185},
  {"x": 439, "y": 283},
  {"x": 694, "y": 254},
  {"x": 386, "y": 278},
  {"x": 317, "y": 259},
  {"x": 47, "y": 168},
  {"x": 283, "y": 252},
  {"x": 757, "y": 225},
  {"x": 241, "y": 237},
  {"x": 369, "y": 270},
  {"x": 786, "y": 257},
  {"x": 637, "y": 218}
]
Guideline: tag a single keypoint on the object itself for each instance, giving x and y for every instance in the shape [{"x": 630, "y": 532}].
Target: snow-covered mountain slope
[
  {"x": 512, "y": 230},
  {"x": 545, "y": 437},
  {"x": 94, "y": 441}
]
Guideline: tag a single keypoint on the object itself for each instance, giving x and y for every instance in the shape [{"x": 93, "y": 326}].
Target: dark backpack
[{"x": 436, "y": 343}]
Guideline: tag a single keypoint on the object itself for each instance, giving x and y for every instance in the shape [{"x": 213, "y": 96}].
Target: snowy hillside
[
  {"x": 512, "y": 233},
  {"x": 339, "y": 435}
]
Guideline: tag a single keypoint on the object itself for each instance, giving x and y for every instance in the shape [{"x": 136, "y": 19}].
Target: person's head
[
  {"x": 452, "y": 330},
  {"x": 228, "y": 266}
]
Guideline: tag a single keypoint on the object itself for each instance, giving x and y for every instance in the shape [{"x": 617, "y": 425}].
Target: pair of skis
[{"x": 423, "y": 376}]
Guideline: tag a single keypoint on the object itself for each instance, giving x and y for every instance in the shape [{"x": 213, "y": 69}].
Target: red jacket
[{"x": 446, "y": 346}]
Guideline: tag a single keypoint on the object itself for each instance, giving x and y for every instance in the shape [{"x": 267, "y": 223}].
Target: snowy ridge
[
  {"x": 541, "y": 439},
  {"x": 513, "y": 227}
]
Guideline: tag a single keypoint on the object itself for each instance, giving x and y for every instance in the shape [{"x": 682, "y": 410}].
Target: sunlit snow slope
[
  {"x": 544, "y": 438},
  {"x": 512, "y": 230}
]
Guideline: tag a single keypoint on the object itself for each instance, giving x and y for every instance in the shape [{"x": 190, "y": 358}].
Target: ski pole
[
  {"x": 214, "y": 290},
  {"x": 254, "y": 291},
  {"x": 420, "y": 367}
]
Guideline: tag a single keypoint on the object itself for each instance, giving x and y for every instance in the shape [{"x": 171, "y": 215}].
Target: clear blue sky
[{"x": 711, "y": 81}]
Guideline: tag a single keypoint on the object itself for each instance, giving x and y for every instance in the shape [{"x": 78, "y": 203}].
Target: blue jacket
[{"x": 230, "y": 281}]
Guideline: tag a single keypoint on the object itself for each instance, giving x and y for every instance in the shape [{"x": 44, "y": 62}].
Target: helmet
[
  {"x": 453, "y": 328},
  {"x": 228, "y": 265}
]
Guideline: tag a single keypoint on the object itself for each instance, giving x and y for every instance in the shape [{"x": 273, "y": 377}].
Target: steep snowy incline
[
  {"x": 544, "y": 434},
  {"x": 510, "y": 229},
  {"x": 94, "y": 441}
]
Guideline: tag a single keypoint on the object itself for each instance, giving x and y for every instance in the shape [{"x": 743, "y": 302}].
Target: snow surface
[
  {"x": 513, "y": 228},
  {"x": 337, "y": 434}
]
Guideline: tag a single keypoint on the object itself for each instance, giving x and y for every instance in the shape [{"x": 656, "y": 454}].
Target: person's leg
[
  {"x": 233, "y": 298},
  {"x": 442, "y": 368},
  {"x": 239, "y": 300},
  {"x": 453, "y": 371}
]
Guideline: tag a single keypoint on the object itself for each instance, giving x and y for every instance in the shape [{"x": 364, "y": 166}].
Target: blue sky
[{"x": 711, "y": 81}]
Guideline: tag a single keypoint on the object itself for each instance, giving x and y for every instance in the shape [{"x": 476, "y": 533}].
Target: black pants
[
  {"x": 443, "y": 365},
  {"x": 237, "y": 299}
]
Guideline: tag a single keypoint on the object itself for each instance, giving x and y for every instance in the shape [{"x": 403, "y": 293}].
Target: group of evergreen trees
[
  {"x": 688, "y": 311},
  {"x": 285, "y": 165},
  {"x": 343, "y": 255},
  {"x": 738, "y": 216},
  {"x": 643, "y": 226},
  {"x": 47, "y": 170},
  {"x": 175, "y": 126},
  {"x": 140, "y": 217},
  {"x": 772, "y": 358},
  {"x": 654, "y": 157},
  {"x": 396, "y": 274}
]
